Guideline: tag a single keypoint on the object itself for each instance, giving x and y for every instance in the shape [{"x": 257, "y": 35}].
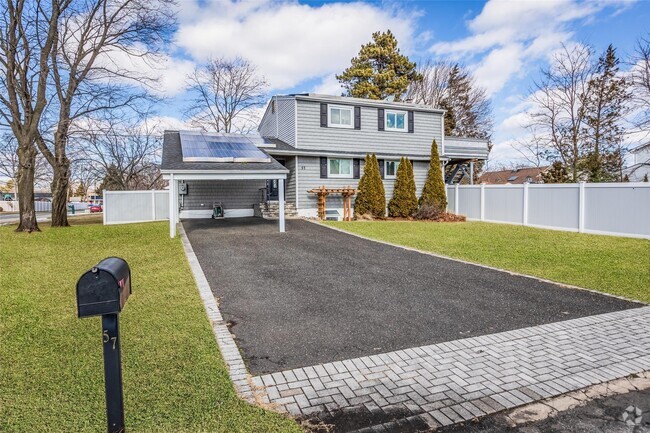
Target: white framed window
[
  {"x": 390, "y": 169},
  {"x": 396, "y": 121},
  {"x": 340, "y": 116},
  {"x": 339, "y": 168}
]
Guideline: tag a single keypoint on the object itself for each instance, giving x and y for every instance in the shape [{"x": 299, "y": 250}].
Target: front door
[
  {"x": 272, "y": 193},
  {"x": 272, "y": 190}
]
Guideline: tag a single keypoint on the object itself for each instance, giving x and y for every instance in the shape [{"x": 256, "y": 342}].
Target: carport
[{"x": 219, "y": 159}]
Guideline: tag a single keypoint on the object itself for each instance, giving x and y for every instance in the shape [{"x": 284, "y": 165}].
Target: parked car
[
  {"x": 95, "y": 208},
  {"x": 7, "y": 197}
]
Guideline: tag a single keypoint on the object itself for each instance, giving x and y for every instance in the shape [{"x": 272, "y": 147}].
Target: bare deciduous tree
[
  {"x": 450, "y": 86},
  {"x": 124, "y": 157},
  {"x": 556, "y": 120},
  {"x": 225, "y": 94},
  {"x": 28, "y": 36},
  {"x": 95, "y": 37},
  {"x": 9, "y": 162},
  {"x": 640, "y": 81}
]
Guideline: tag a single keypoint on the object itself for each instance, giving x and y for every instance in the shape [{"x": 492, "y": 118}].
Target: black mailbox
[{"x": 104, "y": 289}]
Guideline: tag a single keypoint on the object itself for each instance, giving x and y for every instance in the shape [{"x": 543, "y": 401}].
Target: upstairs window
[
  {"x": 396, "y": 121},
  {"x": 340, "y": 116},
  {"x": 339, "y": 168},
  {"x": 390, "y": 169}
]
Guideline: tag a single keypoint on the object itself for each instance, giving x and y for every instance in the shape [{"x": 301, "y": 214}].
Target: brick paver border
[
  {"x": 456, "y": 381},
  {"x": 234, "y": 361}
]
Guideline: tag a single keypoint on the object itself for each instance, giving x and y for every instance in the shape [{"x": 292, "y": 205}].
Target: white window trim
[
  {"x": 340, "y": 176},
  {"x": 406, "y": 120},
  {"x": 340, "y": 107},
  {"x": 386, "y": 175}
]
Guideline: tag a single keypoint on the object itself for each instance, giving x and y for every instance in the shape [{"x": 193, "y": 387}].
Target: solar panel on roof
[{"x": 220, "y": 147}]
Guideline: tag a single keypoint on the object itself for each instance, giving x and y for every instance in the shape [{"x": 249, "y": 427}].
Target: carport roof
[{"x": 172, "y": 161}]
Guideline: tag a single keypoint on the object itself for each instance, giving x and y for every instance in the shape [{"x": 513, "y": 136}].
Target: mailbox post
[{"x": 103, "y": 290}]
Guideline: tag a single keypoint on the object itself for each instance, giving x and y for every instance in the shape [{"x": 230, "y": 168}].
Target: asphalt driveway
[{"x": 313, "y": 294}]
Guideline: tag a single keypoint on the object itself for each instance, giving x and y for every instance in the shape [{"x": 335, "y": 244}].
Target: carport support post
[
  {"x": 281, "y": 204},
  {"x": 471, "y": 172}
]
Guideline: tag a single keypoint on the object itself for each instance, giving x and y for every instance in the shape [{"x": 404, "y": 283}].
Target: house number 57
[{"x": 108, "y": 338}]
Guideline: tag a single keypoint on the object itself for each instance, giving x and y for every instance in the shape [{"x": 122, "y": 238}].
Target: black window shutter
[
  {"x": 323, "y": 114},
  {"x": 357, "y": 117},
  {"x": 410, "y": 121},
  {"x": 380, "y": 119},
  {"x": 356, "y": 168},
  {"x": 381, "y": 167},
  {"x": 323, "y": 167}
]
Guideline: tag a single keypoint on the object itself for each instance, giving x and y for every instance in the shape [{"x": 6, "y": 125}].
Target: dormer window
[
  {"x": 340, "y": 116},
  {"x": 396, "y": 121}
]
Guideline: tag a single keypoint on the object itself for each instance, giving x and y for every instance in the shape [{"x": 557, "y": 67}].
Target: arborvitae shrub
[
  {"x": 371, "y": 198},
  {"x": 404, "y": 202},
  {"x": 433, "y": 193}
]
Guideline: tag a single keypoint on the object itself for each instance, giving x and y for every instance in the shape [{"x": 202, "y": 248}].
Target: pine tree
[
  {"x": 605, "y": 99},
  {"x": 404, "y": 202},
  {"x": 433, "y": 193},
  {"x": 371, "y": 198},
  {"x": 81, "y": 190},
  {"x": 380, "y": 70},
  {"x": 556, "y": 173}
]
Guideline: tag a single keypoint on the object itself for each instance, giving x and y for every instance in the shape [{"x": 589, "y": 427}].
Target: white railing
[
  {"x": 122, "y": 207},
  {"x": 12, "y": 206},
  {"x": 621, "y": 209}
]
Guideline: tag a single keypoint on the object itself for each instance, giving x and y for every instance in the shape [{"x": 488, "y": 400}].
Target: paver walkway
[{"x": 440, "y": 384}]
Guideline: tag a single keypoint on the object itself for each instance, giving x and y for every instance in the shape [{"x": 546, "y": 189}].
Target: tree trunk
[
  {"x": 60, "y": 185},
  {"x": 25, "y": 188}
]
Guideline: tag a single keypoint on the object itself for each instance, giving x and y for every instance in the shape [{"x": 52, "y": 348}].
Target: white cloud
[
  {"x": 329, "y": 85},
  {"x": 506, "y": 36},
  {"x": 498, "y": 66},
  {"x": 289, "y": 42}
]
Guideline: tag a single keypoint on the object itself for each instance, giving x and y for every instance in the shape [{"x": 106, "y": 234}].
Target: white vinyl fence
[
  {"x": 12, "y": 206},
  {"x": 621, "y": 209},
  {"x": 135, "y": 206}
]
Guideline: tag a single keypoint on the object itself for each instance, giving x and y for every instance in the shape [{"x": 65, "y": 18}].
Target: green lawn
[
  {"x": 51, "y": 371},
  {"x": 620, "y": 266}
]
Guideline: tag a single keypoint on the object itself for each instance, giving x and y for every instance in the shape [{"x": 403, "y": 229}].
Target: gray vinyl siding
[
  {"x": 456, "y": 147},
  {"x": 269, "y": 123},
  {"x": 311, "y": 135},
  {"x": 233, "y": 194},
  {"x": 287, "y": 120},
  {"x": 309, "y": 177},
  {"x": 282, "y": 123},
  {"x": 290, "y": 163}
]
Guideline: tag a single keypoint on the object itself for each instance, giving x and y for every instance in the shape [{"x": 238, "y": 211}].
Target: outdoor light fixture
[{"x": 103, "y": 291}]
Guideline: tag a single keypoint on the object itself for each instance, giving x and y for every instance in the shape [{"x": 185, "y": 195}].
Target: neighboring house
[
  {"x": 311, "y": 140},
  {"x": 640, "y": 163},
  {"x": 514, "y": 176}
]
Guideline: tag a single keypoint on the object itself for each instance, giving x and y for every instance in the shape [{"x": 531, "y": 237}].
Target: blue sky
[{"x": 300, "y": 46}]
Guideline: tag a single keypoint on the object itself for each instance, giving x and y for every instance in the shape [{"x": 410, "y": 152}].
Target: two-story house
[
  {"x": 640, "y": 167},
  {"x": 306, "y": 141}
]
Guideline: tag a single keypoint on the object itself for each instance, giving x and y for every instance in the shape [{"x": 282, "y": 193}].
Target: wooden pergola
[{"x": 347, "y": 192}]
